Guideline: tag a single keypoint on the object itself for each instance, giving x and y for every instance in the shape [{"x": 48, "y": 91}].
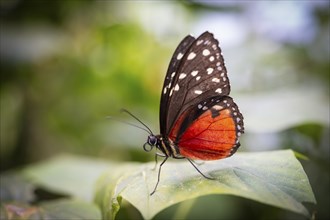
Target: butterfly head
[{"x": 151, "y": 142}]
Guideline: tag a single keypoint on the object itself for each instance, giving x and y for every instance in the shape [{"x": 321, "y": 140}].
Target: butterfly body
[
  {"x": 164, "y": 145},
  {"x": 198, "y": 118}
]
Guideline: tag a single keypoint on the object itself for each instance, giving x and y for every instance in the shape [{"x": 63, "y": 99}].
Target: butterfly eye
[{"x": 151, "y": 142}]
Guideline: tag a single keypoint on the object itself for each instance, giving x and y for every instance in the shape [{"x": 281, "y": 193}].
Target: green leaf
[
  {"x": 70, "y": 175},
  {"x": 275, "y": 178},
  {"x": 107, "y": 195},
  {"x": 70, "y": 209},
  {"x": 14, "y": 187},
  {"x": 59, "y": 209}
]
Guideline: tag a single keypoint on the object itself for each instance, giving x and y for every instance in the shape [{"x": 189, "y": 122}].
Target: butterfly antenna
[
  {"x": 127, "y": 112},
  {"x": 125, "y": 122}
]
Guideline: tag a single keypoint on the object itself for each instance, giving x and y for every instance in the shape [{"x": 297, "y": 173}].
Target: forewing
[
  {"x": 199, "y": 75},
  {"x": 170, "y": 78},
  {"x": 210, "y": 130}
]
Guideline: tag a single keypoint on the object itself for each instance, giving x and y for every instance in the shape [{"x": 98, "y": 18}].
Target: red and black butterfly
[{"x": 198, "y": 120}]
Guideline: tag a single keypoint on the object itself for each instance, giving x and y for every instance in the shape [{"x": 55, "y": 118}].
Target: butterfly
[{"x": 198, "y": 118}]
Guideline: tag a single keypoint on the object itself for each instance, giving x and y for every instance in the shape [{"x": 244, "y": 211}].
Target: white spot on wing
[
  {"x": 194, "y": 73},
  {"x": 165, "y": 90},
  {"x": 204, "y": 108},
  {"x": 180, "y": 55},
  {"x": 198, "y": 78},
  {"x": 199, "y": 106},
  {"x": 215, "y": 80},
  {"x": 209, "y": 70},
  {"x": 199, "y": 42},
  {"x": 173, "y": 74},
  {"x": 198, "y": 92},
  {"x": 217, "y": 107},
  {"x": 206, "y": 52},
  {"x": 214, "y": 47},
  {"x": 176, "y": 87},
  {"x": 191, "y": 56},
  {"x": 219, "y": 90},
  {"x": 211, "y": 58},
  {"x": 182, "y": 76}
]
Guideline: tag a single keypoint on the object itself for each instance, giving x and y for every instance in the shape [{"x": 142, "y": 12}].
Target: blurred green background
[{"x": 67, "y": 65}]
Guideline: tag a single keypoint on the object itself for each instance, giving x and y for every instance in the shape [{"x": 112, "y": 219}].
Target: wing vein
[{"x": 207, "y": 140}]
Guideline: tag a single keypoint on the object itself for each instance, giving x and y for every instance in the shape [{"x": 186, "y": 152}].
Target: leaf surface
[
  {"x": 57, "y": 209},
  {"x": 274, "y": 178}
]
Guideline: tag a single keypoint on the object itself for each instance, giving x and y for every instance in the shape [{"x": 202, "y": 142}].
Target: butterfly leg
[
  {"x": 207, "y": 177},
  {"x": 156, "y": 160},
  {"x": 160, "y": 167}
]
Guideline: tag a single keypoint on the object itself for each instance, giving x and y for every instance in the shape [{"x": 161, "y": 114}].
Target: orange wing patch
[{"x": 210, "y": 137}]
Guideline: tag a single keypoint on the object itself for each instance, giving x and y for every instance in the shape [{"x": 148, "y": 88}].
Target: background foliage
[{"x": 66, "y": 65}]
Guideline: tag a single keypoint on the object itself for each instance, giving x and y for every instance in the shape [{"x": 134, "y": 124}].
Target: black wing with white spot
[
  {"x": 170, "y": 77},
  {"x": 196, "y": 73}
]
